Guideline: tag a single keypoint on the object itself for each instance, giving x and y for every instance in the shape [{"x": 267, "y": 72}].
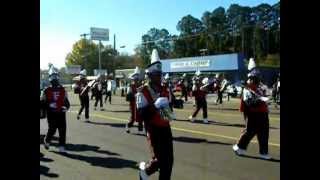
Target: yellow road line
[
  {"x": 226, "y": 114},
  {"x": 178, "y": 129}
]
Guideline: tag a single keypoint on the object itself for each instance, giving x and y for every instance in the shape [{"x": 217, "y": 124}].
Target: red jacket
[
  {"x": 199, "y": 94},
  {"x": 55, "y": 98},
  {"x": 262, "y": 107},
  {"x": 155, "y": 117}
]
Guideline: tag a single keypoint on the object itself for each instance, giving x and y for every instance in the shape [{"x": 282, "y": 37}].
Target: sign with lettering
[{"x": 190, "y": 64}]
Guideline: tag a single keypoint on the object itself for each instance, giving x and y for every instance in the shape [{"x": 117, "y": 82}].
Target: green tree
[
  {"x": 188, "y": 43},
  {"x": 84, "y": 53}
]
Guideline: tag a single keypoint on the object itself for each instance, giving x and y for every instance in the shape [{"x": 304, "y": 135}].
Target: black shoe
[{"x": 78, "y": 117}]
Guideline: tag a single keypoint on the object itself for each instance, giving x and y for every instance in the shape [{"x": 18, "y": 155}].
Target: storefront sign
[{"x": 189, "y": 64}]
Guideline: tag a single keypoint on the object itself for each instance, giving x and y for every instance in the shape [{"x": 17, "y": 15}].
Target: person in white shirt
[{"x": 109, "y": 90}]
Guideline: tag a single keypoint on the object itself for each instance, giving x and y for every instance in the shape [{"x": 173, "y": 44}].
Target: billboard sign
[
  {"x": 102, "y": 72},
  {"x": 73, "y": 69},
  {"x": 99, "y": 34}
]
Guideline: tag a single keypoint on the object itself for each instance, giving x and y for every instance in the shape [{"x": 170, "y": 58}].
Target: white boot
[
  {"x": 142, "y": 173},
  {"x": 191, "y": 118},
  {"x": 87, "y": 120},
  {"x": 238, "y": 151},
  {"x": 205, "y": 120}
]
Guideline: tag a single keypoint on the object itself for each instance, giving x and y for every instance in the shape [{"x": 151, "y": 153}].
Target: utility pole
[
  {"x": 99, "y": 56},
  {"x": 84, "y": 35}
]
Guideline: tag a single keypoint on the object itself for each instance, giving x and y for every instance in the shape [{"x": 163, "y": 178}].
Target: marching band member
[
  {"x": 256, "y": 110},
  {"x": 200, "y": 92},
  {"x": 220, "y": 86},
  {"x": 55, "y": 100},
  {"x": 166, "y": 83},
  {"x": 98, "y": 92},
  {"x": 131, "y": 93},
  {"x": 183, "y": 85},
  {"x": 153, "y": 108},
  {"x": 83, "y": 95}
]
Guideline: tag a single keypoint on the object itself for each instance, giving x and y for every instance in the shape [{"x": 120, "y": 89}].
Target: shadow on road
[
  {"x": 197, "y": 140},
  {"x": 117, "y": 125},
  {"x": 108, "y": 162},
  {"x": 85, "y": 147},
  {"x": 254, "y": 157},
  {"x": 45, "y": 171},
  {"x": 44, "y": 159}
]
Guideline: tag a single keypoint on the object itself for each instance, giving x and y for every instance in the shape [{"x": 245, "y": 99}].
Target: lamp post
[{"x": 84, "y": 35}]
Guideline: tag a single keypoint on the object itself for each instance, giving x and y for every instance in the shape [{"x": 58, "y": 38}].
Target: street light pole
[
  {"x": 84, "y": 35},
  {"x": 99, "y": 56}
]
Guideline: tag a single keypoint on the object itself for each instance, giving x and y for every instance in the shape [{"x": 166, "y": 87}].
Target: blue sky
[{"x": 62, "y": 21}]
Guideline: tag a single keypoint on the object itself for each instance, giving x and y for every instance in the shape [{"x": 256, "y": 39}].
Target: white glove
[
  {"x": 161, "y": 102},
  {"x": 64, "y": 109},
  {"x": 53, "y": 105}
]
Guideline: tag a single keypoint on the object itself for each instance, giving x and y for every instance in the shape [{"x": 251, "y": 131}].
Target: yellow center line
[
  {"x": 178, "y": 129},
  {"x": 226, "y": 114}
]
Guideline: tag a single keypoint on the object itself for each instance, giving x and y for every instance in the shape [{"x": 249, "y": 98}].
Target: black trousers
[
  {"x": 185, "y": 94},
  {"x": 98, "y": 98},
  {"x": 84, "y": 101},
  {"x": 108, "y": 94},
  {"x": 257, "y": 124},
  {"x": 160, "y": 141},
  {"x": 57, "y": 121},
  {"x": 201, "y": 104},
  {"x": 220, "y": 95}
]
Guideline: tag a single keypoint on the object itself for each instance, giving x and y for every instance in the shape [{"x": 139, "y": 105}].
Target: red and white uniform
[
  {"x": 55, "y": 98},
  {"x": 145, "y": 99}
]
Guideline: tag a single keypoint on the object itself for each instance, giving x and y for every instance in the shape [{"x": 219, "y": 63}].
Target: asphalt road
[{"x": 101, "y": 150}]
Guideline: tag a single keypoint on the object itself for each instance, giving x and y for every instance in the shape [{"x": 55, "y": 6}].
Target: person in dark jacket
[
  {"x": 55, "y": 100},
  {"x": 83, "y": 95},
  {"x": 98, "y": 86}
]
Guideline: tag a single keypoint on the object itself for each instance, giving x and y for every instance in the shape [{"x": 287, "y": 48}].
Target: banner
[{"x": 190, "y": 64}]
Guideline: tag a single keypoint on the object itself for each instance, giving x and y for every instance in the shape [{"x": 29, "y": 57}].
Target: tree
[
  {"x": 254, "y": 31},
  {"x": 84, "y": 53},
  {"x": 188, "y": 42},
  {"x": 190, "y": 25}
]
